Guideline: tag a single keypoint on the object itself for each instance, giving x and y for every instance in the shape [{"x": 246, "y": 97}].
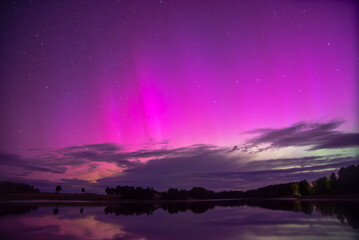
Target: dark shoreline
[{"x": 98, "y": 199}]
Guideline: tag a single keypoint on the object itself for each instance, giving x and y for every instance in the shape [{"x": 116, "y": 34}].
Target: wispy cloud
[
  {"x": 27, "y": 164},
  {"x": 313, "y": 135}
]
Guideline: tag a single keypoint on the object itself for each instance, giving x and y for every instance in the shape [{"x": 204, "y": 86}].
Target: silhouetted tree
[
  {"x": 128, "y": 192},
  {"x": 201, "y": 193},
  {"x": 348, "y": 180},
  {"x": 321, "y": 185},
  {"x": 58, "y": 188},
  {"x": 333, "y": 177},
  {"x": 295, "y": 189},
  {"x": 108, "y": 191},
  {"x": 304, "y": 188},
  {"x": 333, "y": 182}
]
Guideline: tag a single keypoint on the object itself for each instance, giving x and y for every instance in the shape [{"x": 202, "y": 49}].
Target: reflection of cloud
[
  {"x": 256, "y": 223},
  {"x": 226, "y": 222},
  {"x": 315, "y": 135},
  {"x": 80, "y": 228}
]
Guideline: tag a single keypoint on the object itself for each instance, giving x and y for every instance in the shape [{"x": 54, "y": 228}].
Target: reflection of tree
[
  {"x": 307, "y": 207},
  {"x": 348, "y": 211},
  {"x": 344, "y": 211},
  {"x": 148, "y": 208},
  {"x": 56, "y": 211},
  {"x": 131, "y": 209},
  {"x": 15, "y": 209}
]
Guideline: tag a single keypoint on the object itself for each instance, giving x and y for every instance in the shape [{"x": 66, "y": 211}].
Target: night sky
[{"x": 219, "y": 94}]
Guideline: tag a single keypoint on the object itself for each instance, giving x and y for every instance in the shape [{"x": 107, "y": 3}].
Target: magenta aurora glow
[{"x": 221, "y": 94}]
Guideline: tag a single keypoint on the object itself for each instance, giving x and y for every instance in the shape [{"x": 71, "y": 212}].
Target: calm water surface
[{"x": 182, "y": 220}]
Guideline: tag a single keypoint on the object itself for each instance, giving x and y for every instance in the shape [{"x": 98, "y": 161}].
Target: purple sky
[{"x": 116, "y": 92}]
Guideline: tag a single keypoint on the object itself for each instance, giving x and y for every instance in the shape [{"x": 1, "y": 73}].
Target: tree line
[
  {"x": 346, "y": 182},
  {"x": 10, "y": 187},
  {"x": 139, "y": 193}
]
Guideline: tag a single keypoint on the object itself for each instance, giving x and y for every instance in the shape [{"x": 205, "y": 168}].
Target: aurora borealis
[{"x": 177, "y": 93}]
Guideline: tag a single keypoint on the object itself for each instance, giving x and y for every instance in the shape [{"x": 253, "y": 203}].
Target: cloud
[
  {"x": 197, "y": 165},
  {"x": 177, "y": 168},
  {"x": 101, "y": 147},
  {"x": 210, "y": 166},
  {"x": 254, "y": 174},
  {"x": 314, "y": 135},
  {"x": 235, "y": 148},
  {"x": 95, "y": 162},
  {"x": 218, "y": 172},
  {"x": 15, "y": 161}
]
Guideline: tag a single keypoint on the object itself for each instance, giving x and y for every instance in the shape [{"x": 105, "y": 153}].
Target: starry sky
[{"x": 221, "y": 94}]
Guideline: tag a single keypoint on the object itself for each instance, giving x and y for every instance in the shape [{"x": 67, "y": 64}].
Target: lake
[{"x": 232, "y": 219}]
